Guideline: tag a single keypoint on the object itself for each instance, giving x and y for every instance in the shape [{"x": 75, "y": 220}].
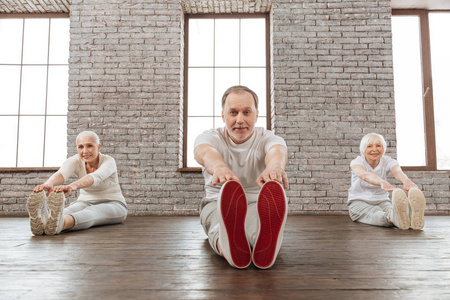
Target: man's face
[{"x": 240, "y": 115}]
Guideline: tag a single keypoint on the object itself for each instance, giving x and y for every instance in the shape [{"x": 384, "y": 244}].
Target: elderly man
[{"x": 245, "y": 208}]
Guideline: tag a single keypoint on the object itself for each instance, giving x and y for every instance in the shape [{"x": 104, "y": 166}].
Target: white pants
[
  {"x": 209, "y": 218},
  {"x": 88, "y": 214},
  {"x": 370, "y": 213}
]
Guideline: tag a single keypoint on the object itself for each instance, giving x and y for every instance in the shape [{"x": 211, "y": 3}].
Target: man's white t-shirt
[
  {"x": 246, "y": 160},
  {"x": 106, "y": 181},
  {"x": 361, "y": 190}
]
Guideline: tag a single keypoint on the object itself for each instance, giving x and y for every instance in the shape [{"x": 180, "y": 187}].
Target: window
[
  {"x": 221, "y": 52},
  {"x": 421, "y": 51},
  {"x": 33, "y": 91}
]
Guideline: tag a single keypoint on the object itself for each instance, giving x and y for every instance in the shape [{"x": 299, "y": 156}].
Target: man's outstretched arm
[
  {"x": 276, "y": 159},
  {"x": 207, "y": 156}
]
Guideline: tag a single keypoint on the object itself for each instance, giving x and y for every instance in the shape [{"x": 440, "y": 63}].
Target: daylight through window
[
  {"x": 421, "y": 47},
  {"x": 222, "y": 52},
  {"x": 33, "y": 91}
]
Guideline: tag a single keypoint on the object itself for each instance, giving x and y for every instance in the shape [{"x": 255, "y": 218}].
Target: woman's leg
[
  {"x": 363, "y": 212},
  {"x": 69, "y": 221},
  {"x": 75, "y": 207},
  {"x": 105, "y": 213}
]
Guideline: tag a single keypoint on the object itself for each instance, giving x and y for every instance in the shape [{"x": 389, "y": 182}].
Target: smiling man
[{"x": 245, "y": 208}]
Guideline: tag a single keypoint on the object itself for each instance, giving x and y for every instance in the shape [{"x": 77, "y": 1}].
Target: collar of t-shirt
[{"x": 243, "y": 145}]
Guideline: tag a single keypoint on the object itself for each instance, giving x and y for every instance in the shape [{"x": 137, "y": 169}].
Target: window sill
[
  {"x": 28, "y": 169},
  {"x": 429, "y": 169},
  {"x": 189, "y": 169}
]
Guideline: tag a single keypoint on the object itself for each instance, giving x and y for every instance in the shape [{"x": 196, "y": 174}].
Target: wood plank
[{"x": 170, "y": 258}]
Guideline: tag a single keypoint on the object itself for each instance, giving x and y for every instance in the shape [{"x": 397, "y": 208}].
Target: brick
[{"x": 333, "y": 82}]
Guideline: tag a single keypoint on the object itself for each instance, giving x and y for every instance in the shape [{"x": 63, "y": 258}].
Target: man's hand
[
  {"x": 275, "y": 174},
  {"x": 223, "y": 174},
  {"x": 214, "y": 164},
  {"x": 276, "y": 159}
]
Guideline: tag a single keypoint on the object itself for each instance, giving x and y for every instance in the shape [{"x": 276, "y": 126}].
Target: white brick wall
[{"x": 332, "y": 68}]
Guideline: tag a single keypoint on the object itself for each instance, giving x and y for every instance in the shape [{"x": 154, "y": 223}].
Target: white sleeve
[
  {"x": 357, "y": 161},
  {"x": 68, "y": 167},
  {"x": 106, "y": 169},
  {"x": 391, "y": 163},
  {"x": 273, "y": 139},
  {"x": 209, "y": 137}
]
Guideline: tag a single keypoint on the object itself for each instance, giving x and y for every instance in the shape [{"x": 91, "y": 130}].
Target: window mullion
[
  {"x": 427, "y": 91},
  {"x": 269, "y": 111},
  {"x": 46, "y": 91},
  {"x": 20, "y": 93},
  {"x": 214, "y": 77},
  {"x": 185, "y": 91}
]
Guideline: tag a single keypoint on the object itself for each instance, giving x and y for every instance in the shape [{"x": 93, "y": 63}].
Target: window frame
[
  {"x": 427, "y": 87},
  {"x": 187, "y": 17},
  {"x": 33, "y": 16}
]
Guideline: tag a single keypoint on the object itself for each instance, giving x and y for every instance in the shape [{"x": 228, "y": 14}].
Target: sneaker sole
[
  {"x": 55, "y": 204},
  {"x": 417, "y": 203},
  {"x": 272, "y": 211},
  {"x": 400, "y": 205},
  {"x": 35, "y": 204},
  {"x": 233, "y": 210}
]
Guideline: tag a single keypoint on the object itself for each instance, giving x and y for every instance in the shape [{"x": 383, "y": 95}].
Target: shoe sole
[
  {"x": 417, "y": 203},
  {"x": 35, "y": 204},
  {"x": 400, "y": 205},
  {"x": 55, "y": 204},
  {"x": 233, "y": 210},
  {"x": 272, "y": 210}
]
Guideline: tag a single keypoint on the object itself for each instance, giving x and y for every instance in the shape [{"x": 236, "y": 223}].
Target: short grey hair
[
  {"x": 370, "y": 138},
  {"x": 90, "y": 134},
  {"x": 239, "y": 88}
]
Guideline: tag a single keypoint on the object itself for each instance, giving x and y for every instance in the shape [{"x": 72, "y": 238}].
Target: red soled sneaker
[
  {"x": 272, "y": 215},
  {"x": 232, "y": 209}
]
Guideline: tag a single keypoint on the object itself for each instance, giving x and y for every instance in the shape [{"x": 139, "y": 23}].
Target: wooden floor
[{"x": 323, "y": 257}]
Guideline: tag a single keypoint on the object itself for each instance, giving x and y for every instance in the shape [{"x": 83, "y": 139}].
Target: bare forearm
[
  {"x": 276, "y": 157},
  {"x": 371, "y": 178},
  {"x": 211, "y": 160},
  {"x": 214, "y": 164},
  {"x": 275, "y": 160},
  {"x": 400, "y": 176}
]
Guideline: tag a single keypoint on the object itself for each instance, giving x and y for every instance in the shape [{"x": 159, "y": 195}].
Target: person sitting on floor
[
  {"x": 368, "y": 197},
  {"x": 100, "y": 201},
  {"x": 244, "y": 169}
]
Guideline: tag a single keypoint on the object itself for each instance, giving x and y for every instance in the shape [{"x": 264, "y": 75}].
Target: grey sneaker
[
  {"x": 399, "y": 212},
  {"x": 55, "y": 222},
  {"x": 37, "y": 210},
  {"x": 417, "y": 204}
]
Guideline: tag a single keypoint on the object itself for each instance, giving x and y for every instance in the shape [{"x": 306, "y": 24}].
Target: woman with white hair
[
  {"x": 368, "y": 196},
  {"x": 100, "y": 201}
]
